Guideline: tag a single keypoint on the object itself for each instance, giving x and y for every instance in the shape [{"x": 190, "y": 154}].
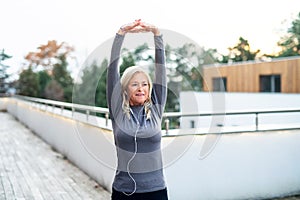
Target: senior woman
[{"x": 136, "y": 106}]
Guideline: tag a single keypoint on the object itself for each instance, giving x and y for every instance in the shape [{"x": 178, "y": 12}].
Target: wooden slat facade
[{"x": 245, "y": 77}]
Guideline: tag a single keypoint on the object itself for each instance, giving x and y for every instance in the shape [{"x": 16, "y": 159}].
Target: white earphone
[{"x": 135, "y": 152}]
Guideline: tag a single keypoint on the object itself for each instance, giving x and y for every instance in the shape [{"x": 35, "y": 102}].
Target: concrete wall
[
  {"x": 230, "y": 166},
  {"x": 3, "y": 103}
]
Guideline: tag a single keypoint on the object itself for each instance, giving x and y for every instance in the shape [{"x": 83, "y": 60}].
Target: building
[{"x": 279, "y": 75}]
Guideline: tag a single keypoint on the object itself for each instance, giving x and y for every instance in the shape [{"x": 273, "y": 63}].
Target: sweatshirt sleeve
[
  {"x": 113, "y": 74},
  {"x": 160, "y": 81}
]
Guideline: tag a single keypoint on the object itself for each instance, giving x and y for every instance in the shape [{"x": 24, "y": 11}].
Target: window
[
  {"x": 220, "y": 84},
  {"x": 270, "y": 83}
]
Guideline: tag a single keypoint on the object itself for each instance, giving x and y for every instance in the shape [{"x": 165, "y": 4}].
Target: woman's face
[{"x": 138, "y": 89}]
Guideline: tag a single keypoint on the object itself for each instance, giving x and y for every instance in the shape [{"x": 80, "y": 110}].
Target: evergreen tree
[
  {"x": 184, "y": 70},
  {"x": 101, "y": 86},
  {"x": 290, "y": 43},
  {"x": 63, "y": 77},
  {"x": 240, "y": 52},
  {"x": 91, "y": 90},
  {"x": 127, "y": 60},
  {"x": 54, "y": 91},
  {"x": 3, "y": 73},
  {"x": 28, "y": 83},
  {"x": 44, "y": 79}
]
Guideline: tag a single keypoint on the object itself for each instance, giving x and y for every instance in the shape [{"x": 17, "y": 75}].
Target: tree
[
  {"x": 184, "y": 69},
  {"x": 63, "y": 77},
  {"x": 290, "y": 43},
  {"x": 3, "y": 73},
  {"x": 240, "y": 52},
  {"x": 52, "y": 58},
  {"x": 101, "y": 86},
  {"x": 54, "y": 91},
  {"x": 44, "y": 79},
  {"x": 28, "y": 83},
  {"x": 127, "y": 61},
  {"x": 91, "y": 90},
  {"x": 49, "y": 54}
]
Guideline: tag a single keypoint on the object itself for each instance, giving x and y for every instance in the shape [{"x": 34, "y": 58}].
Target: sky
[{"x": 85, "y": 24}]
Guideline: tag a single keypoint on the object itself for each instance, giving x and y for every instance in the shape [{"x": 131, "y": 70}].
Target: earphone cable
[{"x": 134, "y": 154}]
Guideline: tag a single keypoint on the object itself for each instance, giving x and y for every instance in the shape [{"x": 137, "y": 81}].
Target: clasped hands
[{"x": 138, "y": 27}]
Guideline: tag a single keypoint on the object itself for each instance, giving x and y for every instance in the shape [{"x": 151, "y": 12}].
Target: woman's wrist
[
  {"x": 156, "y": 32},
  {"x": 121, "y": 31}
]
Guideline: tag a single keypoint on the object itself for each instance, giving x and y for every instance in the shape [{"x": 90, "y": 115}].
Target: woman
[{"x": 136, "y": 106}]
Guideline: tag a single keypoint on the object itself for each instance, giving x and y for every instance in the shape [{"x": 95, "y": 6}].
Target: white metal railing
[
  {"x": 256, "y": 115},
  {"x": 72, "y": 106},
  {"x": 167, "y": 115}
]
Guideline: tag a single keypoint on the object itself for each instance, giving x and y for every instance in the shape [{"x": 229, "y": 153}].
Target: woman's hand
[
  {"x": 129, "y": 28},
  {"x": 149, "y": 28},
  {"x": 138, "y": 27}
]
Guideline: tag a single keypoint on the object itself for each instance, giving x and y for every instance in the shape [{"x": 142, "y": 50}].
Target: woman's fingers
[
  {"x": 129, "y": 26},
  {"x": 135, "y": 30},
  {"x": 139, "y": 27},
  {"x": 150, "y": 28}
]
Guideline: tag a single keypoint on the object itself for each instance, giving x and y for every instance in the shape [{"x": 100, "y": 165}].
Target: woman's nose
[{"x": 140, "y": 86}]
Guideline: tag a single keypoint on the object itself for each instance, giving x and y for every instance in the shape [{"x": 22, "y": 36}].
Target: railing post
[
  {"x": 87, "y": 115},
  {"x": 106, "y": 119},
  {"x": 167, "y": 124},
  {"x": 256, "y": 121}
]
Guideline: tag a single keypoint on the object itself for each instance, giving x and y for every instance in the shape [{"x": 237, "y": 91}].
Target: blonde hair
[{"x": 125, "y": 79}]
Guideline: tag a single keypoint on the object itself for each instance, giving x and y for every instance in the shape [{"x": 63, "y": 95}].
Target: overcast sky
[{"x": 85, "y": 24}]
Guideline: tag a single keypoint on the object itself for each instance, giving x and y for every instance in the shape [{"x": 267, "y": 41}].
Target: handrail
[
  {"x": 264, "y": 111},
  {"x": 166, "y": 115},
  {"x": 208, "y": 114},
  {"x": 64, "y": 104},
  {"x": 72, "y": 106}
]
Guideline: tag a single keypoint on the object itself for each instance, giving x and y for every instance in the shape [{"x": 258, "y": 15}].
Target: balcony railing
[{"x": 169, "y": 117}]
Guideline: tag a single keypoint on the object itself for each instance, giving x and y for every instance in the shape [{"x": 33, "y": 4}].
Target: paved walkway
[{"x": 30, "y": 169}]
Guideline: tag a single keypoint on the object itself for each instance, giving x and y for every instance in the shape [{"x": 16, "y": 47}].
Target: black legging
[{"x": 156, "y": 195}]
